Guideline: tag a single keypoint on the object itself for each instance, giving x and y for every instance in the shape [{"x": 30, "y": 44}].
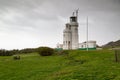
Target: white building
[
  {"x": 71, "y": 37},
  {"x": 89, "y": 45},
  {"x": 70, "y": 34},
  {"x": 59, "y": 46}
]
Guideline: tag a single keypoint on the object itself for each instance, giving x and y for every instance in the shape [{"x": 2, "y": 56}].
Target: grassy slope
[{"x": 78, "y": 65}]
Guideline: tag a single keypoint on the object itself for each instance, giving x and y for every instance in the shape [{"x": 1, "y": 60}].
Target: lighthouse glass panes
[{"x": 73, "y": 19}]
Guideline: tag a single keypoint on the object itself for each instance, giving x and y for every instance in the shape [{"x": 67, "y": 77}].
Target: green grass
[{"x": 77, "y": 65}]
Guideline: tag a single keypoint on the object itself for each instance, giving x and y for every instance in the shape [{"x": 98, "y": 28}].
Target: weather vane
[{"x": 76, "y": 11}]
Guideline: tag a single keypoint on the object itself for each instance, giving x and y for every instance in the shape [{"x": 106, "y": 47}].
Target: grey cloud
[{"x": 42, "y": 17}]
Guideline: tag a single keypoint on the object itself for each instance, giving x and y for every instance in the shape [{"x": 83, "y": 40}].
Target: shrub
[
  {"x": 4, "y": 52},
  {"x": 16, "y": 57},
  {"x": 28, "y": 50},
  {"x": 45, "y": 51}
]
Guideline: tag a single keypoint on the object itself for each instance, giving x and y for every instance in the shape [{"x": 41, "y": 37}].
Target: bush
[
  {"x": 45, "y": 51},
  {"x": 16, "y": 57},
  {"x": 28, "y": 50},
  {"x": 4, "y": 52}
]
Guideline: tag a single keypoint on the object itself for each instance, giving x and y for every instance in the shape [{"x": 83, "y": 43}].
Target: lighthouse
[
  {"x": 71, "y": 37},
  {"x": 70, "y": 33}
]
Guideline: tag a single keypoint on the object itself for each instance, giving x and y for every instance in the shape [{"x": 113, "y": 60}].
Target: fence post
[{"x": 116, "y": 56}]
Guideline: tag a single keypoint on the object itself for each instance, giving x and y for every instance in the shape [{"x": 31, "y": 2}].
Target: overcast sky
[{"x": 34, "y": 23}]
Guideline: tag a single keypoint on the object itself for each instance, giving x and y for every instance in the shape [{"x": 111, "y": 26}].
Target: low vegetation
[
  {"x": 74, "y": 65},
  {"x": 4, "y": 52},
  {"x": 45, "y": 51}
]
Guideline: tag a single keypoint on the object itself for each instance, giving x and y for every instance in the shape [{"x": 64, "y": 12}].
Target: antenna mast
[
  {"x": 77, "y": 12},
  {"x": 73, "y": 13},
  {"x": 87, "y": 34}
]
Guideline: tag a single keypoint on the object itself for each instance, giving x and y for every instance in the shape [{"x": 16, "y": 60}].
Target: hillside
[
  {"x": 112, "y": 44},
  {"x": 77, "y": 65}
]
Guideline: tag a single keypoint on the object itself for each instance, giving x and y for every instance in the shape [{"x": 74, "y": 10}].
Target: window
[
  {"x": 73, "y": 19},
  {"x": 69, "y": 27}
]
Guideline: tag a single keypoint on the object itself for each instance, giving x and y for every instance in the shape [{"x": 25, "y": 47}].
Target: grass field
[{"x": 77, "y": 65}]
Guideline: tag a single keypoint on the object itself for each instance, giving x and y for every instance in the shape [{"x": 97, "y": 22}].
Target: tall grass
[{"x": 77, "y": 65}]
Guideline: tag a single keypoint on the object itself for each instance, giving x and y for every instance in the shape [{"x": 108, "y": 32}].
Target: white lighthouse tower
[
  {"x": 67, "y": 37},
  {"x": 70, "y": 33},
  {"x": 71, "y": 37}
]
